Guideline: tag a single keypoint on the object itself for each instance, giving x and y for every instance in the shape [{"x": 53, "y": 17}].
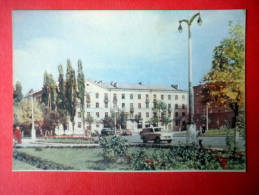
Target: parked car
[
  {"x": 127, "y": 132},
  {"x": 156, "y": 134},
  {"x": 107, "y": 131}
]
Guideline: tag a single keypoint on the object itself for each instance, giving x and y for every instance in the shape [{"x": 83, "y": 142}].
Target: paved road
[{"x": 213, "y": 142}]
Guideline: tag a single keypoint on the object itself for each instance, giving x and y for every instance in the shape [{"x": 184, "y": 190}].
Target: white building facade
[{"x": 134, "y": 99}]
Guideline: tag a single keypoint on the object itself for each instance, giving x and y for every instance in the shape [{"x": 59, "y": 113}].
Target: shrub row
[{"x": 38, "y": 162}]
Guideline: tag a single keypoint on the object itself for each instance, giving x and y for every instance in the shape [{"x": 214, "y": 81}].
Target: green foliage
[
  {"x": 23, "y": 114},
  {"x": 114, "y": 147},
  {"x": 241, "y": 126},
  {"x": 160, "y": 113},
  {"x": 109, "y": 121},
  {"x": 81, "y": 90},
  {"x": 183, "y": 157},
  {"x": 17, "y": 94},
  {"x": 49, "y": 93},
  {"x": 71, "y": 92},
  {"x": 38, "y": 162}
]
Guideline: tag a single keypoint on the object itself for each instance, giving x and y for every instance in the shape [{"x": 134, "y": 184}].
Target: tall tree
[
  {"x": 71, "y": 92},
  {"x": 81, "y": 90},
  {"x": 17, "y": 95},
  {"x": 61, "y": 102},
  {"x": 225, "y": 82},
  {"x": 49, "y": 93}
]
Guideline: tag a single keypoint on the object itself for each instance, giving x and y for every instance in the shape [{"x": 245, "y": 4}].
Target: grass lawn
[
  {"x": 79, "y": 158},
  {"x": 22, "y": 166},
  {"x": 66, "y": 141}
]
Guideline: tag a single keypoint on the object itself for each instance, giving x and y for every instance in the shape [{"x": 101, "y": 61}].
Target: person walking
[
  {"x": 200, "y": 138},
  {"x": 203, "y": 129},
  {"x": 18, "y": 135}
]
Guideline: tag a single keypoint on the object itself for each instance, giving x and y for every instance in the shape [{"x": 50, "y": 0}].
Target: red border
[{"x": 127, "y": 183}]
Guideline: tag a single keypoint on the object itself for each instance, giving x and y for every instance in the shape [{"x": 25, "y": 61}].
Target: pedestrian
[
  {"x": 203, "y": 129},
  {"x": 18, "y": 135},
  {"x": 200, "y": 138}
]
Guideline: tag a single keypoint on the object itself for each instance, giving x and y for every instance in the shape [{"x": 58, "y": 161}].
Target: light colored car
[{"x": 155, "y": 134}]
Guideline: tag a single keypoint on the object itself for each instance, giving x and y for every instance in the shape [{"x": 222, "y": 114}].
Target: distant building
[{"x": 216, "y": 115}]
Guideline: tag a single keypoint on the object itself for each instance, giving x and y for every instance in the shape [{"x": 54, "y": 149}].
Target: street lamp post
[
  {"x": 33, "y": 133},
  {"x": 191, "y": 128}
]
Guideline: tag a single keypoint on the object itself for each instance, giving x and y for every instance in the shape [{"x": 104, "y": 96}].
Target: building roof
[{"x": 138, "y": 86}]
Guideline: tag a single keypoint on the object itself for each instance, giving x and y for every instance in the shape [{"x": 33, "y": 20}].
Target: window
[
  {"x": 176, "y": 123},
  {"x": 97, "y": 125},
  {"x": 147, "y": 105},
  {"x": 154, "y": 96},
  {"x": 176, "y": 97},
  {"x": 106, "y": 114},
  {"x": 183, "y": 106},
  {"x": 79, "y": 125},
  {"x": 176, "y": 114},
  {"x": 79, "y": 114},
  {"x": 114, "y": 97},
  {"x": 106, "y": 104},
  {"x": 183, "y": 97},
  {"x": 123, "y": 105},
  {"x": 162, "y": 97},
  {"x": 169, "y": 105},
  {"x": 147, "y": 96},
  {"x": 139, "y": 96},
  {"x": 176, "y": 106},
  {"x": 88, "y": 105},
  {"x": 97, "y": 114},
  {"x": 139, "y": 114},
  {"x": 97, "y": 105},
  {"x": 123, "y": 96},
  {"x": 131, "y": 105},
  {"x": 169, "y": 97},
  {"x": 139, "y": 105},
  {"x": 88, "y": 114},
  {"x": 131, "y": 96},
  {"x": 183, "y": 113},
  {"x": 96, "y": 95},
  {"x": 147, "y": 114}
]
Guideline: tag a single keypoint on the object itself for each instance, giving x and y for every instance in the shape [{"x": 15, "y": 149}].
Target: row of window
[
  {"x": 162, "y": 97},
  {"x": 106, "y": 114},
  {"x": 97, "y": 105}
]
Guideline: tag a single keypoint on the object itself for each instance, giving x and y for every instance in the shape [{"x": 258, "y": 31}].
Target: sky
[{"x": 120, "y": 46}]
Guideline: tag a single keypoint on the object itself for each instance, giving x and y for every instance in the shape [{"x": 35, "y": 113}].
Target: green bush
[
  {"x": 114, "y": 147},
  {"x": 184, "y": 157}
]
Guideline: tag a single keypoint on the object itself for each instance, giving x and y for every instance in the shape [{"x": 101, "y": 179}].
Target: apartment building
[{"x": 134, "y": 99}]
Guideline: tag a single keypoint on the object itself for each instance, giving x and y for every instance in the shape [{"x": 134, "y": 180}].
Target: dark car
[{"x": 107, "y": 131}]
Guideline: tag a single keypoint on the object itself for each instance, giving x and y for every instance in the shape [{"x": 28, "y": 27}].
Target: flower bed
[{"x": 70, "y": 137}]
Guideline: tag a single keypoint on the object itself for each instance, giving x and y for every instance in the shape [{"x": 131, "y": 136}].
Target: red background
[{"x": 128, "y": 183}]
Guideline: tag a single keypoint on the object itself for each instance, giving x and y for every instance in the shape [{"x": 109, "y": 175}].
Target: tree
[
  {"x": 61, "y": 101},
  {"x": 23, "y": 115},
  {"x": 49, "y": 93},
  {"x": 17, "y": 94},
  {"x": 225, "y": 82},
  {"x": 160, "y": 113},
  {"x": 109, "y": 121},
  {"x": 71, "y": 92},
  {"x": 122, "y": 119},
  {"x": 81, "y": 90},
  {"x": 89, "y": 120}
]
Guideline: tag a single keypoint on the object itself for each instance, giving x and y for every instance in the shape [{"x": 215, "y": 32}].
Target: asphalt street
[{"x": 213, "y": 142}]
